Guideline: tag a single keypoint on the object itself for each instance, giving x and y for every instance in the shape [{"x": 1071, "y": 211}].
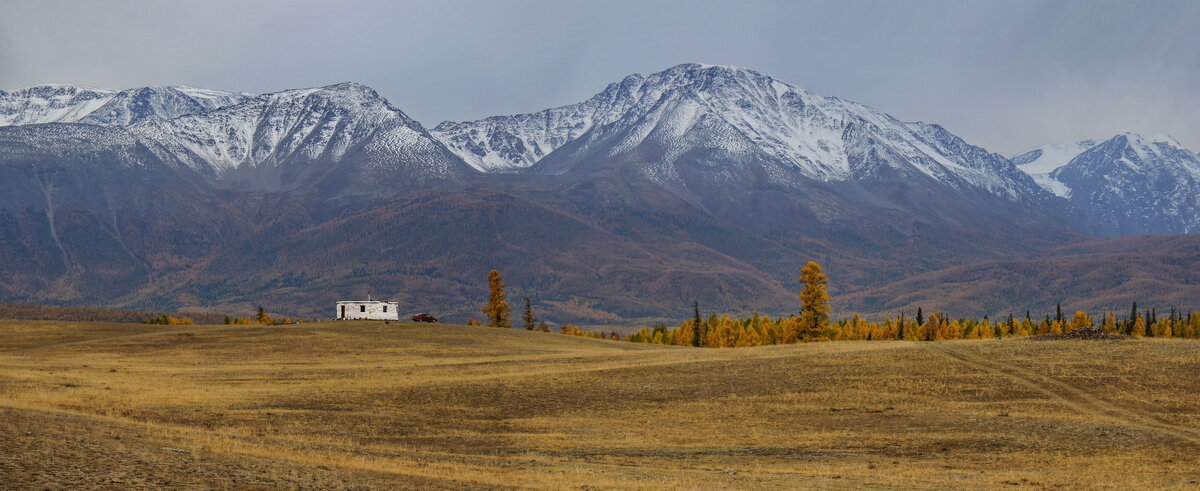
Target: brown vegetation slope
[
  {"x": 369, "y": 405},
  {"x": 1100, "y": 275},
  {"x": 61, "y": 313}
]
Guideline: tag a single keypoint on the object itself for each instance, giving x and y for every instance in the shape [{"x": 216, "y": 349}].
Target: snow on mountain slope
[
  {"x": 732, "y": 115},
  {"x": 275, "y": 141},
  {"x": 744, "y": 114},
  {"x": 512, "y": 143},
  {"x": 1048, "y": 158},
  {"x": 51, "y": 104},
  {"x": 1042, "y": 161},
  {"x": 69, "y": 104},
  {"x": 136, "y": 105},
  {"x": 1130, "y": 184}
]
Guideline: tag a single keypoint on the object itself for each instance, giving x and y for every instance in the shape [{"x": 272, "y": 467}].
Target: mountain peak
[
  {"x": 513, "y": 143},
  {"x": 704, "y": 76},
  {"x": 348, "y": 87},
  {"x": 277, "y": 140},
  {"x": 349, "y": 94},
  {"x": 728, "y": 114},
  {"x": 707, "y": 67},
  {"x": 1149, "y": 142},
  {"x": 131, "y": 106}
]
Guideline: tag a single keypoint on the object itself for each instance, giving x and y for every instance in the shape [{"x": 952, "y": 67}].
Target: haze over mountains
[{"x": 699, "y": 182}]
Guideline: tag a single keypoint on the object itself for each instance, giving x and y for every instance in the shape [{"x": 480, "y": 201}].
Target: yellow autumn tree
[
  {"x": 1080, "y": 321},
  {"x": 1164, "y": 328},
  {"x": 985, "y": 330},
  {"x": 1110, "y": 323},
  {"x": 496, "y": 310},
  {"x": 814, "y": 313},
  {"x": 1139, "y": 327}
]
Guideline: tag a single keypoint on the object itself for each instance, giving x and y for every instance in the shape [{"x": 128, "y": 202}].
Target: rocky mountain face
[
  {"x": 153, "y": 103},
  {"x": 68, "y": 104},
  {"x": 773, "y": 158},
  {"x": 344, "y": 135},
  {"x": 738, "y": 115},
  {"x": 700, "y": 182},
  {"x": 1126, "y": 185},
  {"x": 51, "y": 104},
  {"x": 96, "y": 213}
]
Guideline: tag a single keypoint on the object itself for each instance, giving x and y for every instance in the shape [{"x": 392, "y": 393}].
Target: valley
[{"x": 372, "y": 405}]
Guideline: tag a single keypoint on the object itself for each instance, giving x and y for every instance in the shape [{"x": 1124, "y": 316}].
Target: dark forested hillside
[{"x": 1097, "y": 275}]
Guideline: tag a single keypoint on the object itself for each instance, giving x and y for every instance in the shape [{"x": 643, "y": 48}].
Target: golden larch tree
[
  {"x": 814, "y": 300},
  {"x": 1080, "y": 321},
  {"x": 496, "y": 310},
  {"x": 1139, "y": 327}
]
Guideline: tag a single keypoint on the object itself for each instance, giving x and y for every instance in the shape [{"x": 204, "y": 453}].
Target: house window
[
  {"x": 385, "y": 309},
  {"x": 362, "y": 308}
]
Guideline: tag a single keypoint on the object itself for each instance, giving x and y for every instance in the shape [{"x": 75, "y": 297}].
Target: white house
[{"x": 368, "y": 309}]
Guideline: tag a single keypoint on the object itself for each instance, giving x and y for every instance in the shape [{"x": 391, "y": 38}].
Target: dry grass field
[{"x": 369, "y": 405}]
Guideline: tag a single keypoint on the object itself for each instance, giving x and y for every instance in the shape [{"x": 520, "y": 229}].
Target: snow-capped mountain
[
  {"x": 736, "y": 121},
  {"x": 1128, "y": 184},
  {"x": 135, "y": 105},
  {"x": 698, "y": 182},
  {"x": 51, "y": 104},
  {"x": 70, "y": 104},
  {"x": 283, "y": 140}
]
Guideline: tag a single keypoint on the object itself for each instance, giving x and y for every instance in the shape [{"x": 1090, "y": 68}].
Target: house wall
[{"x": 373, "y": 310}]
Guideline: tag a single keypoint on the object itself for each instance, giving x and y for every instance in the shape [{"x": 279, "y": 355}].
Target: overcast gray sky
[{"x": 1008, "y": 75}]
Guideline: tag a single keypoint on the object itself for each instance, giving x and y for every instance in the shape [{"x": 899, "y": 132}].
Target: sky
[{"x": 1007, "y": 75}]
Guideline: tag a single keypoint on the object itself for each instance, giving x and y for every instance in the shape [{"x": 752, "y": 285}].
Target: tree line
[{"x": 813, "y": 323}]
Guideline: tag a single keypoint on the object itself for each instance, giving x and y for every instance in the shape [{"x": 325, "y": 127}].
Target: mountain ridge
[
  {"x": 1128, "y": 184},
  {"x": 697, "y": 183},
  {"x": 44, "y": 104}
]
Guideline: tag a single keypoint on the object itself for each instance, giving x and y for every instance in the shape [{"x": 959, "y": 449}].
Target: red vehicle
[{"x": 424, "y": 318}]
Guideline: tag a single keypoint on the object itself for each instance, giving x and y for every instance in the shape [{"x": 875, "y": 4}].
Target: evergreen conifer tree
[
  {"x": 528, "y": 317},
  {"x": 1133, "y": 315}
]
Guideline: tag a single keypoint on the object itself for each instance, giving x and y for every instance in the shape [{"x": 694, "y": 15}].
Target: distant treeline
[
  {"x": 726, "y": 332},
  {"x": 813, "y": 324},
  {"x": 60, "y": 313}
]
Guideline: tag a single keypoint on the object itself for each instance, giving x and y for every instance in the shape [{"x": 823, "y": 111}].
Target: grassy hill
[{"x": 372, "y": 405}]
